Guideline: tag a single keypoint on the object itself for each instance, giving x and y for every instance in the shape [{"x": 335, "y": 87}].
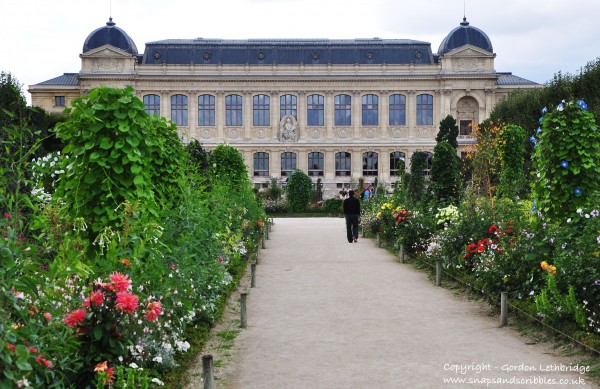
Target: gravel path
[{"x": 329, "y": 314}]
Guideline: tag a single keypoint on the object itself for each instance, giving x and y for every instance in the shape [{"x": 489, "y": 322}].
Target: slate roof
[
  {"x": 511, "y": 79},
  {"x": 111, "y": 35},
  {"x": 67, "y": 79},
  {"x": 287, "y": 51}
]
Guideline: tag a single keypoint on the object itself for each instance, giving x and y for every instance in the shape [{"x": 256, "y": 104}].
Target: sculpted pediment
[
  {"x": 106, "y": 51},
  {"x": 469, "y": 51}
]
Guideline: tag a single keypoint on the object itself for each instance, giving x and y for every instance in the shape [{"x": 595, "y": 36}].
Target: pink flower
[
  {"x": 127, "y": 302},
  {"x": 96, "y": 298},
  {"x": 172, "y": 266},
  {"x": 43, "y": 361},
  {"x": 153, "y": 310},
  {"x": 12, "y": 347},
  {"x": 220, "y": 259},
  {"x": 76, "y": 317},
  {"x": 121, "y": 282},
  {"x": 7, "y": 215},
  {"x": 48, "y": 316}
]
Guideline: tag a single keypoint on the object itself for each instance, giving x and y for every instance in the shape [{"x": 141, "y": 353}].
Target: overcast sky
[{"x": 534, "y": 39}]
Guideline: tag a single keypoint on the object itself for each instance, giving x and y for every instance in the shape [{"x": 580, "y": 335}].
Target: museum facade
[{"x": 339, "y": 110}]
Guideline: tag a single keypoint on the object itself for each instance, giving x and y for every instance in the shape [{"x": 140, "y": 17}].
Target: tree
[
  {"x": 512, "y": 161},
  {"x": 445, "y": 174},
  {"x": 227, "y": 166},
  {"x": 448, "y": 131},
  {"x": 416, "y": 185},
  {"x": 298, "y": 190}
]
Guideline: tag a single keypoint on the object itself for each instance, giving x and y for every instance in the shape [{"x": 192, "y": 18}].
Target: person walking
[{"x": 351, "y": 208}]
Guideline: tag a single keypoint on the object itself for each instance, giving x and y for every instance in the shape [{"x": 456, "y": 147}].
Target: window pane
[
  {"x": 397, "y": 162},
  {"x": 59, "y": 101},
  {"x": 343, "y": 164},
  {"x": 315, "y": 164},
  {"x": 466, "y": 127},
  {"x": 206, "y": 110},
  {"x": 288, "y": 163},
  {"x": 261, "y": 110},
  {"x": 261, "y": 164},
  {"x": 179, "y": 110},
  {"x": 343, "y": 110},
  {"x": 287, "y": 106},
  {"x": 233, "y": 110},
  {"x": 370, "y": 110},
  {"x": 152, "y": 104},
  {"x": 397, "y": 110},
  {"x": 370, "y": 164},
  {"x": 315, "y": 110},
  {"x": 424, "y": 110}
]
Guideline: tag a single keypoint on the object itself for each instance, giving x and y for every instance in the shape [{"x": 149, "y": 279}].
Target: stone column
[
  {"x": 329, "y": 114},
  {"x": 356, "y": 114},
  {"x": 165, "y": 103},
  {"x": 247, "y": 112},
  {"x": 301, "y": 115},
  {"x": 411, "y": 113},
  {"x": 384, "y": 118},
  {"x": 275, "y": 114},
  {"x": 220, "y": 114},
  {"x": 192, "y": 115}
]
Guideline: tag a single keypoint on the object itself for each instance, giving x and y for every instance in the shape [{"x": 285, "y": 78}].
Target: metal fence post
[
  {"x": 438, "y": 273},
  {"x": 243, "y": 314},
  {"x": 503, "y": 309},
  {"x": 207, "y": 372}
]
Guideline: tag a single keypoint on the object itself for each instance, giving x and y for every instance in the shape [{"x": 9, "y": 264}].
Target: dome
[
  {"x": 465, "y": 35},
  {"x": 110, "y": 35}
]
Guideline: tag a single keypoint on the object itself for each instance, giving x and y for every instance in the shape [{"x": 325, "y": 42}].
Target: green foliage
[
  {"x": 274, "y": 191},
  {"x": 511, "y": 143},
  {"x": 567, "y": 161},
  {"x": 333, "y": 206},
  {"x": 445, "y": 174},
  {"x": 227, "y": 166},
  {"x": 448, "y": 131},
  {"x": 416, "y": 187},
  {"x": 117, "y": 153},
  {"x": 298, "y": 191}
]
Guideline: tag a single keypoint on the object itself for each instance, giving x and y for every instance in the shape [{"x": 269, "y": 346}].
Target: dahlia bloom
[
  {"x": 153, "y": 310},
  {"x": 127, "y": 302},
  {"x": 75, "y": 318},
  {"x": 121, "y": 282}
]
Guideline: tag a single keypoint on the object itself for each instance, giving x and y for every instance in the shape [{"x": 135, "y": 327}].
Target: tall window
[
  {"x": 179, "y": 110},
  {"x": 466, "y": 127},
  {"x": 287, "y": 106},
  {"x": 262, "y": 110},
  {"x": 261, "y": 164},
  {"x": 343, "y": 164},
  {"x": 397, "y": 163},
  {"x": 315, "y": 164},
  {"x": 206, "y": 110},
  {"x": 288, "y": 163},
  {"x": 424, "y": 110},
  {"x": 233, "y": 110},
  {"x": 343, "y": 110},
  {"x": 370, "y": 110},
  {"x": 152, "y": 104},
  {"x": 370, "y": 163},
  {"x": 59, "y": 101},
  {"x": 315, "y": 110},
  {"x": 397, "y": 110}
]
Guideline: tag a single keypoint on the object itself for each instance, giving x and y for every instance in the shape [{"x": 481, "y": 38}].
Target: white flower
[
  {"x": 158, "y": 382},
  {"x": 157, "y": 358},
  {"x": 133, "y": 365}
]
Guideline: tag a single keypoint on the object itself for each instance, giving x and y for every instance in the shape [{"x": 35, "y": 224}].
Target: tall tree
[{"x": 448, "y": 131}]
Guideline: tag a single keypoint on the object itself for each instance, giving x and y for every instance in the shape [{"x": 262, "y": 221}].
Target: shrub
[{"x": 298, "y": 191}]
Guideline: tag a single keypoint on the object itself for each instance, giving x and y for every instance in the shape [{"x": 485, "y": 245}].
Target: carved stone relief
[
  {"x": 287, "y": 129},
  {"x": 396, "y": 132}
]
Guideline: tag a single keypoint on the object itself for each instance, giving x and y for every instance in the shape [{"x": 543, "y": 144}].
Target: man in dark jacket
[{"x": 351, "y": 213}]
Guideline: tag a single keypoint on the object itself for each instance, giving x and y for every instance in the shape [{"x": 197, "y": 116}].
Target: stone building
[{"x": 337, "y": 109}]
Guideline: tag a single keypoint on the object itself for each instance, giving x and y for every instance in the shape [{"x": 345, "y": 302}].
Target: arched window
[
  {"x": 315, "y": 164},
  {"x": 262, "y": 110},
  {"x": 206, "y": 110},
  {"x": 315, "y": 110},
  {"x": 397, "y": 110},
  {"x": 424, "y": 110},
  {"x": 343, "y": 110},
  {"x": 287, "y": 106},
  {"x": 152, "y": 104},
  {"x": 343, "y": 164},
  {"x": 397, "y": 163},
  {"x": 370, "y": 164},
  {"x": 261, "y": 164},
  {"x": 370, "y": 110},
  {"x": 288, "y": 163},
  {"x": 233, "y": 110},
  {"x": 179, "y": 110}
]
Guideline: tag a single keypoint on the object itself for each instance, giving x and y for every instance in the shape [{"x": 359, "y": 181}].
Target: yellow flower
[
  {"x": 544, "y": 265},
  {"x": 378, "y": 215},
  {"x": 552, "y": 270}
]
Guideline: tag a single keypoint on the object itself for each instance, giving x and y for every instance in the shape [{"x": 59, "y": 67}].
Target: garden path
[{"x": 329, "y": 314}]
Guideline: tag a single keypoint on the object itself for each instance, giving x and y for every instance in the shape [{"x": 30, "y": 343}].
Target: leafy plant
[
  {"x": 298, "y": 191},
  {"x": 512, "y": 155}
]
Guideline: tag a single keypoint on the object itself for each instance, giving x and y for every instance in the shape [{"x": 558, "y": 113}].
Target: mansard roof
[
  {"x": 110, "y": 35},
  {"x": 288, "y": 52},
  {"x": 511, "y": 79},
  {"x": 67, "y": 79},
  {"x": 465, "y": 34}
]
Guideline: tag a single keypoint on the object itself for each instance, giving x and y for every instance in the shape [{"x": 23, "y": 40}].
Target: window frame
[
  {"x": 206, "y": 110},
  {"x": 397, "y": 110},
  {"x": 234, "y": 110},
  {"x": 288, "y": 105},
  {"x": 343, "y": 158},
  {"x": 370, "y": 164},
  {"x": 396, "y": 156},
  {"x": 424, "y": 110},
  {"x": 342, "y": 110},
  {"x": 179, "y": 109},
  {"x": 289, "y": 161},
  {"x": 151, "y": 105},
  {"x": 260, "y": 164},
  {"x": 261, "y": 110},
  {"x": 315, "y": 111},
  {"x": 316, "y": 158},
  {"x": 370, "y": 110},
  {"x": 60, "y": 101}
]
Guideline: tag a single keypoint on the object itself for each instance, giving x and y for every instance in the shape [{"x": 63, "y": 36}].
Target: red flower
[
  {"x": 12, "y": 347},
  {"x": 32, "y": 350},
  {"x": 43, "y": 361},
  {"x": 121, "y": 282},
  {"x": 75, "y": 318},
  {"x": 153, "y": 310},
  {"x": 260, "y": 223},
  {"x": 481, "y": 249},
  {"x": 125, "y": 262},
  {"x": 96, "y": 298},
  {"x": 127, "y": 302}
]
